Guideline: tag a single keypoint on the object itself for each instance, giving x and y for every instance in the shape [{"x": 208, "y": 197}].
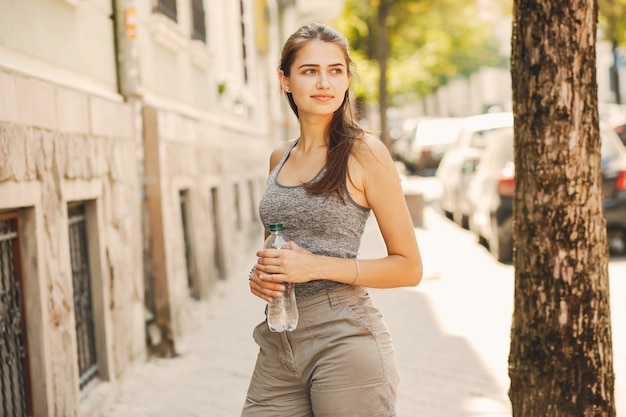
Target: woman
[{"x": 339, "y": 361}]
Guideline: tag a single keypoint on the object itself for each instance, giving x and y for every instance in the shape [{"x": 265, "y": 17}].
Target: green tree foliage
[
  {"x": 612, "y": 22},
  {"x": 430, "y": 42}
]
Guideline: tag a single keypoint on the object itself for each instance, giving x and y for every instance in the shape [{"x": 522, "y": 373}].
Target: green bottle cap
[{"x": 274, "y": 227}]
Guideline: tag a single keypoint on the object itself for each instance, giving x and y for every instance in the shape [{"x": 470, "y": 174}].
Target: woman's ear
[{"x": 284, "y": 82}]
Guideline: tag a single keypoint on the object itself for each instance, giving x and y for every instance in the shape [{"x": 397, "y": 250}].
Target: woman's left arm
[{"x": 380, "y": 186}]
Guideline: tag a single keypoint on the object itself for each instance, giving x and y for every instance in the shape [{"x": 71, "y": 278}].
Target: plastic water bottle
[{"x": 282, "y": 312}]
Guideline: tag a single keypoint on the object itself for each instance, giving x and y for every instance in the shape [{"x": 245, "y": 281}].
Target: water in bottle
[{"x": 282, "y": 312}]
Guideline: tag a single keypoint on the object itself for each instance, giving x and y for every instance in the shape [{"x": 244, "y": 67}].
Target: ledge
[
  {"x": 167, "y": 33},
  {"x": 199, "y": 54}
]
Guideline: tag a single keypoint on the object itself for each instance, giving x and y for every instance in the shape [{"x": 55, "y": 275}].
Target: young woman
[{"x": 322, "y": 187}]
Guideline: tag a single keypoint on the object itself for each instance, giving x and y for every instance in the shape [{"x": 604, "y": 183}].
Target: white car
[{"x": 459, "y": 162}]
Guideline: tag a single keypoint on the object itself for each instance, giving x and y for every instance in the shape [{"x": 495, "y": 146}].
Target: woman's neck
[{"x": 313, "y": 134}]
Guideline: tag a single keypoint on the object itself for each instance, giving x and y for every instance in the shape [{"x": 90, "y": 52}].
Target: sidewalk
[
  {"x": 451, "y": 335},
  {"x": 441, "y": 375}
]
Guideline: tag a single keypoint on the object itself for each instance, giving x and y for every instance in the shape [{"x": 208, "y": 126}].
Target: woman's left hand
[{"x": 290, "y": 264}]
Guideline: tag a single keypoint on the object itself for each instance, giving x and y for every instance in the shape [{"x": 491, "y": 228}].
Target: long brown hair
[{"x": 342, "y": 129}]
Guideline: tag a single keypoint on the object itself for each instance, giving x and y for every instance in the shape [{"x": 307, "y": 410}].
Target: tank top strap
[{"x": 280, "y": 163}]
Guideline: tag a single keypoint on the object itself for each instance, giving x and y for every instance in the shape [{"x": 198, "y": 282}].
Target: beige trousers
[{"x": 339, "y": 362}]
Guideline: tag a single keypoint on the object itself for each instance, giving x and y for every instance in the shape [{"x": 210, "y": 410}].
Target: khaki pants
[{"x": 339, "y": 362}]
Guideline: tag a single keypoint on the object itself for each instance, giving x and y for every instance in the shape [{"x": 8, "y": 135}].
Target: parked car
[
  {"x": 428, "y": 141},
  {"x": 460, "y": 159},
  {"x": 492, "y": 188},
  {"x": 615, "y": 116},
  {"x": 401, "y": 145}
]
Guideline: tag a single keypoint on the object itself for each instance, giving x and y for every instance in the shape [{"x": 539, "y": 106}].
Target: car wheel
[
  {"x": 459, "y": 217},
  {"x": 616, "y": 240},
  {"x": 501, "y": 245}
]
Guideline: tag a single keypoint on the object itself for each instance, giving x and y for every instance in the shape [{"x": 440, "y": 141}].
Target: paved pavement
[{"x": 451, "y": 335}]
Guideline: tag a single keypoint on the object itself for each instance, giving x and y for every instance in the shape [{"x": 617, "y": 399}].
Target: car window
[
  {"x": 478, "y": 139},
  {"x": 481, "y": 138},
  {"x": 500, "y": 147}
]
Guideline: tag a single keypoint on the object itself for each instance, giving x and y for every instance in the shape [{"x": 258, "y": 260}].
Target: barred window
[
  {"x": 198, "y": 22},
  {"x": 14, "y": 367},
  {"x": 218, "y": 255},
  {"x": 184, "y": 213},
  {"x": 168, "y": 8},
  {"x": 83, "y": 305}
]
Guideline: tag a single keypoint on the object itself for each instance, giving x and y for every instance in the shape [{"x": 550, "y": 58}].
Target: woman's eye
[
  {"x": 337, "y": 71},
  {"x": 309, "y": 71}
]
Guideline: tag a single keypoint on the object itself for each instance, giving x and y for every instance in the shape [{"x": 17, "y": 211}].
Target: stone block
[
  {"x": 415, "y": 203},
  {"x": 8, "y": 98},
  {"x": 36, "y": 103},
  {"x": 73, "y": 111}
]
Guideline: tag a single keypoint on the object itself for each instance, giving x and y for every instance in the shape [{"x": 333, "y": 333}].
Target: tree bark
[{"x": 561, "y": 358}]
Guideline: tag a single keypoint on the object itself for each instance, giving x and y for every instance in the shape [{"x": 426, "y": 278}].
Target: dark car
[
  {"x": 492, "y": 187},
  {"x": 458, "y": 163}
]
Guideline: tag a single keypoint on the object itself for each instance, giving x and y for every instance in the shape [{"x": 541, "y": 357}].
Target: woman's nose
[{"x": 322, "y": 81}]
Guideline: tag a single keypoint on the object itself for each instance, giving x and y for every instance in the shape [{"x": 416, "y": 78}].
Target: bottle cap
[{"x": 276, "y": 227}]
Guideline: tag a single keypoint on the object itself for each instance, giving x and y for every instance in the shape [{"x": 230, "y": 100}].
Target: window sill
[
  {"x": 166, "y": 33},
  {"x": 199, "y": 54}
]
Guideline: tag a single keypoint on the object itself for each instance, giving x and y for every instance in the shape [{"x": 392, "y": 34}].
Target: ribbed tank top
[{"x": 320, "y": 224}]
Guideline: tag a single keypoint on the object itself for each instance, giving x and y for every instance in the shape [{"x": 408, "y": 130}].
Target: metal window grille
[
  {"x": 14, "y": 370},
  {"x": 184, "y": 203},
  {"x": 83, "y": 307},
  {"x": 198, "y": 23},
  {"x": 168, "y": 8}
]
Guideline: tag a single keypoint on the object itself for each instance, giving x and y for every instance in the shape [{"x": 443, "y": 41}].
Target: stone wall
[
  {"x": 59, "y": 146},
  {"x": 221, "y": 170}
]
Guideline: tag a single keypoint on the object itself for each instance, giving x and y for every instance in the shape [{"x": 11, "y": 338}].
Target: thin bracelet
[
  {"x": 250, "y": 274},
  {"x": 358, "y": 271}
]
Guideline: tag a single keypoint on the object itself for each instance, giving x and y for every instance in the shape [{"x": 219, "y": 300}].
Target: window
[
  {"x": 253, "y": 204},
  {"x": 14, "y": 368},
  {"x": 168, "y": 8},
  {"x": 243, "y": 42},
  {"x": 198, "y": 23},
  {"x": 237, "y": 205},
  {"x": 83, "y": 306},
  {"x": 218, "y": 256},
  {"x": 184, "y": 212}
]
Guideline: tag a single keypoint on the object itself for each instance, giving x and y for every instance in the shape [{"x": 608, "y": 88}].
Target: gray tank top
[{"x": 322, "y": 225}]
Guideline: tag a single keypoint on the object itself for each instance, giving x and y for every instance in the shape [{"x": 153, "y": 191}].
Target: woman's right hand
[{"x": 266, "y": 290}]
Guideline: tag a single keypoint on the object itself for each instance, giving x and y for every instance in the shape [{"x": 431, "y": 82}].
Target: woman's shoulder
[
  {"x": 368, "y": 147},
  {"x": 279, "y": 151}
]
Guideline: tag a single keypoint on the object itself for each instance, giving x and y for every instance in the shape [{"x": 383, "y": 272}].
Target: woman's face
[{"x": 319, "y": 78}]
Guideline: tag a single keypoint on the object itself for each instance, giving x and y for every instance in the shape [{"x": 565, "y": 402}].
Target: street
[{"x": 451, "y": 335}]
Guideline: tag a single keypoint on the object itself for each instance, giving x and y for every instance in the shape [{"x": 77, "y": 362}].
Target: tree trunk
[{"x": 561, "y": 358}]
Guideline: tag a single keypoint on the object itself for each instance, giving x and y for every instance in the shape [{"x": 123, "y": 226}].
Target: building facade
[{"x": 134, "y": 140}]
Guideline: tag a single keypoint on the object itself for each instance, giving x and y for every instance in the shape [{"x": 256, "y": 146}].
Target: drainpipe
[
  {"x": 126, "y": 53},
  {"x": 157, "y": 319}
]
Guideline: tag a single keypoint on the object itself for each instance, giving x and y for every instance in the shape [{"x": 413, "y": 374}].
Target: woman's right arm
[{"x": 264, "y": 289}]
